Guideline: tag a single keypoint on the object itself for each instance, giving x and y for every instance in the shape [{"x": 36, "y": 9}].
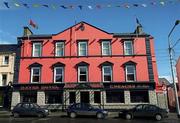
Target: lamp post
[{"x": 170, "y": 47}]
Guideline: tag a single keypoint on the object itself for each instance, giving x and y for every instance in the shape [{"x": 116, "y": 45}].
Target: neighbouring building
[
  {"x": 165, "y": 94},
  {"x": 7, "y": 60},
  {"x": 86, "y": 64},
  {"x": 178, "y": 78}
]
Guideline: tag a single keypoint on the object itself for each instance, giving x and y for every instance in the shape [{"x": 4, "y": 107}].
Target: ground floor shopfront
[
  {"x": 106, "y": 95},
  {"x": 5, "y": 97}
]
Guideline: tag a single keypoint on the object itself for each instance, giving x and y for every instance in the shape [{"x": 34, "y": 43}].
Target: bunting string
[{"x": 16, "y": 4}]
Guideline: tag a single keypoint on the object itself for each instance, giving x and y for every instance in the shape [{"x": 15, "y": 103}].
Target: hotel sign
[
  {"x": 130, "y": 85},
  {"x": 36, "y": 87}
]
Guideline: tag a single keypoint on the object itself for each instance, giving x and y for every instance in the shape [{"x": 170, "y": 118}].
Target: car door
[
  {"x": 32, "y": 110},
  {"x": 25, "y": 109},
  {"x": 138, "y": 111},
  {"x": 88, "y": 110},
  {"x": 150, "y": 110}
]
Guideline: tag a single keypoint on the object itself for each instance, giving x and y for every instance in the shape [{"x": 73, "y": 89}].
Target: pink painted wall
[{"x": 93, "y": 35}]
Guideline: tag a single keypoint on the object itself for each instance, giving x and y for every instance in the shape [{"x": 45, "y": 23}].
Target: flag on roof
[{"x": 33, "y": 24}]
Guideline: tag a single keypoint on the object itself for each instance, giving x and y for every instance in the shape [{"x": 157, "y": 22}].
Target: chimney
[
  {"x": 27, "y": 31},
  {"x": 139, "y": 29}
]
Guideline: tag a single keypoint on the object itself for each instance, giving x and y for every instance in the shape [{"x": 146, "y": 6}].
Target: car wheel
[
  {"x": 100, "y": 115},
  {"x": 16, "y": 114},
  {"x": 158, "y": 117},
  {"x": 72, "y": 115},
  {"x": 128, "y": 116},
  {"x": 40, "y": 115}
]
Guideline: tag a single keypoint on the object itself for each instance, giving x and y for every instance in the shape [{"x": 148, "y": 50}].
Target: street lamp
[{"x": 170, "y": 47}]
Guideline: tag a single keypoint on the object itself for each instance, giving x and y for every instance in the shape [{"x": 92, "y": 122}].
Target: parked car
[
  {"x": 145, "y": 110},
  {"x": 85, "y": 109},
  {"x": 29, "y": 109}
]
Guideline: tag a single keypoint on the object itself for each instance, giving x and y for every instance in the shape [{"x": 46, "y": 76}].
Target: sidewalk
[{"x": 6, "y": 114}]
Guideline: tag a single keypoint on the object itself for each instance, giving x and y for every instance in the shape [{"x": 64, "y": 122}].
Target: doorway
[{"x": 84, "y": 97}]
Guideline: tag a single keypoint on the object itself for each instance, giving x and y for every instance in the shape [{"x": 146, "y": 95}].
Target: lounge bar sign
[
  {"x": 35, "y": 87},
  {"x": 135, "y": 86}
]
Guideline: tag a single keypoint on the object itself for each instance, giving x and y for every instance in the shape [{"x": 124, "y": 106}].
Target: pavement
[{"x": 6, "y": 114}]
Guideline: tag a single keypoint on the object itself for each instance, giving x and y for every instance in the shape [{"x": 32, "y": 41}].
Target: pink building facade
[{"x": 86, "y": 64}]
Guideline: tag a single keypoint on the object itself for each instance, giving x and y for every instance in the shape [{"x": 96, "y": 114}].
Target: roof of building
[
  {"x": 164, "y": 81},
  {"x": 8, "y": 47},
  {"x": 41, "y": 36}
]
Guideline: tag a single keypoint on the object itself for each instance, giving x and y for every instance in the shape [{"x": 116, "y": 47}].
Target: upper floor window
[
  {"x": 82, "y": 73},
  {"x": 128, "y": 48},
  {"x": 35, "y": 74},
  {"x": 106, "y": 48},
  {"x": 5, "y": 60},
  {"x": 37, "y": 49},
  {"x": 58, "y": 74},
  {"x": 59, "y": 48},
  {"x": 130, "y": 73},
  {"x": 82, "y": 48},
  {"x": 4, "y": 79},
  {"x": 107, "y": 73}
]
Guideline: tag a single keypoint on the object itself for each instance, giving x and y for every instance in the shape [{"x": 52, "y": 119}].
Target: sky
[{"x": 114, "y": 16}]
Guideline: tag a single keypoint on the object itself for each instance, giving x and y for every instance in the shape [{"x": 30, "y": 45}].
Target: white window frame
[
  {"x": 131, "y": 73},
  {"x": 4, "y": 60},
  {"x": 62, "y": 68},
  {"x": 34, "y": 49},
  {"x": 102, "y": 47},
  {"x": 32, "y": 74},
  {"x": 79, "y": 73},
  {"x": 79, "y": 43},
  {"x": 59, "y": 43},
  {"x": 103, "y": 67},
  {"x": 125, "y": 53}
]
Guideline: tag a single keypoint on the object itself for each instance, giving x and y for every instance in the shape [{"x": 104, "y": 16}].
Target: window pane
[
  {"x": 35, "y": 71},
  {"x": 107, "y": 70},
  {"x": 130, "y": 69},
  {"x": 107, "y": 78},
  {"x": 106, "y": 48},
  {"x": 59, "y": 79},
  {"x": 139, "y": 96},
  {"x": 83, "y": 78},
  {"x": 114, "y": 96},
  {"x": 6, "y": 60},
  {"x": 59, "y": 49},
  {"x": 54, "y": 98},
  {"x": 58, "y": 70},
  {"x": 130, "y": 77},
  {"x": 82, "y": 48},
  {"x": 37, "y": 50},
  {"x": 35, "y": 78},
  {"x": 83, "y": 70},
  {"x": 128, "y": 48},
  {"x": 97, "y": 97},
  {"x": 4, "y": 79}
]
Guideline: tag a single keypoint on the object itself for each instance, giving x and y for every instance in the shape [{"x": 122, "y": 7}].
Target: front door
[{"x": 84, "y": 97}]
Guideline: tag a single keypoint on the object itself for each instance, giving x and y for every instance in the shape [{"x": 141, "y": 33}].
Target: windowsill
[
  {"x": 129, "y": 55},
  {"x": 53, "y": 104},
  {"x": 35, "y": 82},
  {"x": 4, "y": 65}
]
